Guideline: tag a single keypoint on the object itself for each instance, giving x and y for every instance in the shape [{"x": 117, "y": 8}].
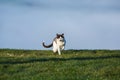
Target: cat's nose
[{"x": 61, "y": 39}]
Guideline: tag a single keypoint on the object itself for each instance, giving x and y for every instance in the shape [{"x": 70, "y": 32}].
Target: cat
[{"x": 58, "y": 43}]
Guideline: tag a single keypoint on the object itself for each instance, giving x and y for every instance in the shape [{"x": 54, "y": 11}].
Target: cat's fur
[{"x": 58, "y": 43}]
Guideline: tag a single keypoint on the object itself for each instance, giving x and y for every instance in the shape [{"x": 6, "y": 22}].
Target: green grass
[{"x": 71, "y": 65}]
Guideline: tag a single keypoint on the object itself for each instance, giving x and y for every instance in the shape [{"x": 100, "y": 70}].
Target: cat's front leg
[{"x": 59, "y": 52}]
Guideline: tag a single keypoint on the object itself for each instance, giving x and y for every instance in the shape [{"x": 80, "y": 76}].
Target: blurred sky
[{"x": 87, "y": 24}]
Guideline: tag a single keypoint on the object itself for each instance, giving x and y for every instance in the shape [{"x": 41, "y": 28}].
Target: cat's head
[{"x": 60, "y": 36}]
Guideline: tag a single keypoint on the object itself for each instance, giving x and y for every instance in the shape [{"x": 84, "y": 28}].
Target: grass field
[{"x": 71, "y": 65}]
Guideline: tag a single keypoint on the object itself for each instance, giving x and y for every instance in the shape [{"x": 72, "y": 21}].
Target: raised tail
[{"x": 47, "y": 46}]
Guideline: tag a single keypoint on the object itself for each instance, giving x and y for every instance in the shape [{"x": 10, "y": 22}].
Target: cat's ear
[
  {"x": 57, "y": 34},
  {"x": 63, "y": 34}
]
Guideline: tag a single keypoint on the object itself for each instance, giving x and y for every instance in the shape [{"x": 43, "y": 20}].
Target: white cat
[{"x": 58, "y": 43}]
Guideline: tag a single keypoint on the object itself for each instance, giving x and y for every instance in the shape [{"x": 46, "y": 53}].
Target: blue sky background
[{"x": 87, "y": 24}]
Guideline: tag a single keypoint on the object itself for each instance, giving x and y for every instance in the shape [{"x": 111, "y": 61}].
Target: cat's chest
[{"x": 61, "y": 43}]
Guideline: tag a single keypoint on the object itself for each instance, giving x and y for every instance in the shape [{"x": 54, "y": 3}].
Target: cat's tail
[{"x": 47, "y": 46}]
